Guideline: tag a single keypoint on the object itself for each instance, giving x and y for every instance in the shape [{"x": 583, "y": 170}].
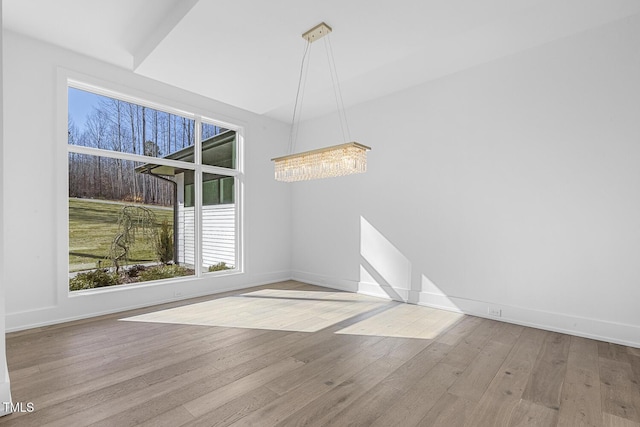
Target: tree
[
  {"x": 124, "y": 127},
  {"x": 132, "y": 220},
  {"x": 151, "y": 149}
]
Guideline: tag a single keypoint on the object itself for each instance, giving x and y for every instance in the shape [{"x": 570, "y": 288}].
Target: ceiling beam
[{"x": 150, "y": 43}]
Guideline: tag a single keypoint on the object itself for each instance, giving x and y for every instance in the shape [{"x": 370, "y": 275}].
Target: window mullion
[
  {"x": 198, "y": 197},
  {"x": 216, "y": 170},
  {"x": 128, "y": 156}
]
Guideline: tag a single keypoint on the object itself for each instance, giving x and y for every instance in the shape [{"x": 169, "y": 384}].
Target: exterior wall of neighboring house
[
  {"x": 218, "y": 232},
  {"x": 218, "y": 235}
]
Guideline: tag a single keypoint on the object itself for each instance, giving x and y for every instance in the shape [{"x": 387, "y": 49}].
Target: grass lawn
[{"x": 93, "y": 224}]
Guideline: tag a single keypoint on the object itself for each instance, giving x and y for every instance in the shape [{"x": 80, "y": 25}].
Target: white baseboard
[
  {"x": 373, "y": 290},
  {"x": 602, "y": 330},
  {"x": 596, "y": 329},
  {"x": 325, "y": 281}
]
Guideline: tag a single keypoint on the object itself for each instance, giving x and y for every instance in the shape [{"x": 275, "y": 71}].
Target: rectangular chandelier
[{"x": 337, "y": 160}]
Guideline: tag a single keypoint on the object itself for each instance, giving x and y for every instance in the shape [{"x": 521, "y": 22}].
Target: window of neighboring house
[
  {"x": 216, "y": 190},
  {"x": 134, "y": 183}
]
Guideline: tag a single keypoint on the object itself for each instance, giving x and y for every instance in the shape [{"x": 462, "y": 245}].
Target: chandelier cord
[
  {"x": 342, "y": 115},
  {"x": 293, "y": 135}
]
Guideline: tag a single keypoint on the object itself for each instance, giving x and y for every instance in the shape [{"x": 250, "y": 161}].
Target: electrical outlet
[
  {"x": 177, "y": 294},
  {"x": 494, "y": 311}
]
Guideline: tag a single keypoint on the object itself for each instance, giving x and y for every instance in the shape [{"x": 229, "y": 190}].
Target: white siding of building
[{"x": 218, "y": 235}]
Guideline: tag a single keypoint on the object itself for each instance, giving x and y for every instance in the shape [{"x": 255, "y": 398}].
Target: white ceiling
[{"x": 247, "y": 53}]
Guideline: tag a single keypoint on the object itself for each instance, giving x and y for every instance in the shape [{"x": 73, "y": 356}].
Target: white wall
[
  {"x": 5, "y": 392},
  {"x": 513, "y": 185},
  {"x": 35, "y": 193}
]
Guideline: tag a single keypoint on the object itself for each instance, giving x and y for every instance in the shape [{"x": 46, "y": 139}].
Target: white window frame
[{"x": 68, "y": 80}]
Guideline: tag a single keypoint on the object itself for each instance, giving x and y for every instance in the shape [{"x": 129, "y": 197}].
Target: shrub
[
  {"x": 163, "y": 272},
  {"x": 93, "y": 279},
  {"x": 134, "y": 270},
  {"x": 219, "y": 266},
  {"x": 164, "y": 243}
]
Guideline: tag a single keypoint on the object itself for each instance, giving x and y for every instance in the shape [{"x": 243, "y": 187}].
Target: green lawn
[{"x": 93, "y": 224}]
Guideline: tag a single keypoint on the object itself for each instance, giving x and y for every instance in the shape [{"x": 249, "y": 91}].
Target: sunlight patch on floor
[
  {"x": 405, "y": 321},
  {"x": 275, "y": 309}
]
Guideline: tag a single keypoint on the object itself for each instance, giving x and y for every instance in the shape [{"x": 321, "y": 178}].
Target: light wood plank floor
[{"x": 338, "y": 359}]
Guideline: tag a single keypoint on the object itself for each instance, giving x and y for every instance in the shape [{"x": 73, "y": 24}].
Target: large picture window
[{"x": 153, "y": 193}]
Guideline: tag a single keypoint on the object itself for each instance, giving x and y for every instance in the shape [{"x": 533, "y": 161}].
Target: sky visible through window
[{"x": 80, "y": 105}]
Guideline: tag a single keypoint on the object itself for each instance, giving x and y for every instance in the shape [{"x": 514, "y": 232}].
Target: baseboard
[
  {"x": 373, "y": 290},
  {"x": 602, "y": 330},
  {"x": 48, "y": 316},
  {"x": 325, "y": 281}
]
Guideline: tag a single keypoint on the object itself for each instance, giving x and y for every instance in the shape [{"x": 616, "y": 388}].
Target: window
[
  {"x": 216, "y": 190},
  {"x": 153, "y": 193}
]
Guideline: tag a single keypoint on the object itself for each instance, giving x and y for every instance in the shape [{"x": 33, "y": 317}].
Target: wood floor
[{"x": 340, "y": 360}]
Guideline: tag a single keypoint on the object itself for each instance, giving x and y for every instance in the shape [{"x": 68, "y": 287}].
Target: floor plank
[
  {"x": 409, "y": 408},
  {"x": 216, "y": 398},
  {"x": 620, "y": 395},
  {"x": 609, "y": 420},
  {"x": 450, "y": 410},
  {"x": 505, "y": 391},
  {"x": 580, "y": 400},
  {"x": 475, "y": 379},
  {"x": 634, "y": 362},
  {"x": 528, "y": 413},
  {"x": 545, "y": 384}
]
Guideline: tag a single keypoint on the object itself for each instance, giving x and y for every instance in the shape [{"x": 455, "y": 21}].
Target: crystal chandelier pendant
[{"x": 337, "y": 160}]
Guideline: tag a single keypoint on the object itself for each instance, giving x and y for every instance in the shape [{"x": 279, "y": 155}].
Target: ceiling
[{"x": 247, "y": 53}]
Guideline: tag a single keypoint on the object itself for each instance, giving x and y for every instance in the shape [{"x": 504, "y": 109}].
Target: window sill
[{"x": 154, "y": 283}]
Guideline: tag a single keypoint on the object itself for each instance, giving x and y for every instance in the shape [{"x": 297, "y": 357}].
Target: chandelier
[{"x": 337, "y": 160}]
